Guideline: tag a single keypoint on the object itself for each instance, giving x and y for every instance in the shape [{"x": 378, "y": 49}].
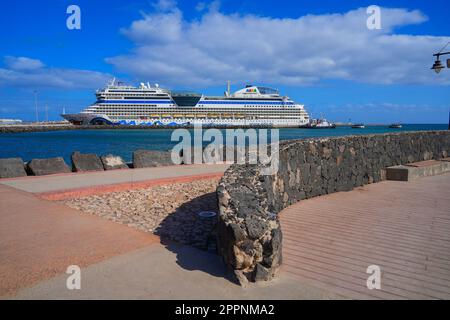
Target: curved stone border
[{"x": 249, "y": 234}]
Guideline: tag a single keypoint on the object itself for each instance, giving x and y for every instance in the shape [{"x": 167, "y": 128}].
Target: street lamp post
[
  {"x": 437, "y": 67},
  {"x": 36, "y": 105}
]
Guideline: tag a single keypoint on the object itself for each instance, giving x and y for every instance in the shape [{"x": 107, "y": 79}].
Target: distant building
[{"x": 10, "y": 121}]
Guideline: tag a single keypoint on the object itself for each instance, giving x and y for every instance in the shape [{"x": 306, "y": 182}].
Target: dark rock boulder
[
  {"x": 256, "y": 227},
  {"x": 12, "y": 168},
  {"x": 262, "y": 273},
  {"x": 111, "y": 162},
  {"x": 86, "y": 162},
  {"x": 149, "y": 158},
  {"x": 40, "y": 167},
  {"x": 272, "y": 254},
  {"x": 236, "y": 232}
]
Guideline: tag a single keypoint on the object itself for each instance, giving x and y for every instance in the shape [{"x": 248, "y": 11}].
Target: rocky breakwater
[{"x": 249, "y": 234}]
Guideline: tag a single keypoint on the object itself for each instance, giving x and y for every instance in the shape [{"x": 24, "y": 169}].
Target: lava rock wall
[{"x": 249, "y": 234}]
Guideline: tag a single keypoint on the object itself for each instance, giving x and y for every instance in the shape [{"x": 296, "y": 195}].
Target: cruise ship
[{"x": 251, "y": 106}]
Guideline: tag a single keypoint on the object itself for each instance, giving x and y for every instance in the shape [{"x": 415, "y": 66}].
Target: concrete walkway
[
  {"x": 328, "y": 242},
  {"x": 167, "y": 272},
  {"x": 40, "y": 239},
  {"x": 59, "y": 182},
  {"x": 402, "y": 227}
]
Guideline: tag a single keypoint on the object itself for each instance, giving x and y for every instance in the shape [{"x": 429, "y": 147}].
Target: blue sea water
[{"x": 123, "y": 142}]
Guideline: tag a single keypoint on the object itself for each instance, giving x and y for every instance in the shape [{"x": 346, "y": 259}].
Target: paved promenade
[
  {"x": 39, "y": 239},
  {"x": 167, "y": 272},
  {"x": 403, "y": 227},
  {"x": 69, "y": 181},
  {"x": 328, "y": 242}
]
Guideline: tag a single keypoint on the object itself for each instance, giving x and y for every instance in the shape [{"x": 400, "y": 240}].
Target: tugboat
[
  {"x": 395, "y": 126},
  {"x": 358, "y": 126},
  {"x": 320, "y": 124}
]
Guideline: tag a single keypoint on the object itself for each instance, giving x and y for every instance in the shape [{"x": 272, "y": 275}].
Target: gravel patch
[{"x": 170, "y": 211}]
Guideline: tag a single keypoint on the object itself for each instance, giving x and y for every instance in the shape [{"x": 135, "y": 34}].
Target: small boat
[
  {"x": 320, "y": 124},
  {"x": 395, "y": 126},
  {"x": 358, "y": 126}
]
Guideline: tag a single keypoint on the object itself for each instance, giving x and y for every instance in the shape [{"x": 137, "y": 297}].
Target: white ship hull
[
  {"x": 88, "y": 119},
  {"x": 151, "y": 106}
]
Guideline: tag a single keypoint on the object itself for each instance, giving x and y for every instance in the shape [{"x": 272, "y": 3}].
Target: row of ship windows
[
  {"x": 130, "y": 93},
  {"x": 194, "y": 111},
  {"x": 207, "y": 114},
  {"x": 196, "y": 114},
  {"x": 215, "y": 119},
  {"x": 154, "y": 108},
  {"x": 234, "y": 102},
  {"x": 206, "y": 105},
  {"x": 134, "y": 96},
  {"x": 200, "y": 105},
  {"x": 127, "y": 92}
]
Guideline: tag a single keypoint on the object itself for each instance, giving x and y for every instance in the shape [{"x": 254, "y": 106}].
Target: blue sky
[{"x": 318, "y": 52}]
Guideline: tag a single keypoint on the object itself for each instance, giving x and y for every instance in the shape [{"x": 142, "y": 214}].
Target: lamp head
[{"x": 437, "y": 66}]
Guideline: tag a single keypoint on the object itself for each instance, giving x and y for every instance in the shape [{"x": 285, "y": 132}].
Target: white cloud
[
  {"x": 165, "y": 5},
  {"x": 26, "y": 72},
  {"x": 302, "y": 51},
  {"x": 149, "y": 28},
  {"x": 200, "y": 6},
  {"x": 22, "y": 63}
]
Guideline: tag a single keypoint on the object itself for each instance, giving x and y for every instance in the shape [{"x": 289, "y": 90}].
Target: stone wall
[{"x": 249, "y": 234}]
